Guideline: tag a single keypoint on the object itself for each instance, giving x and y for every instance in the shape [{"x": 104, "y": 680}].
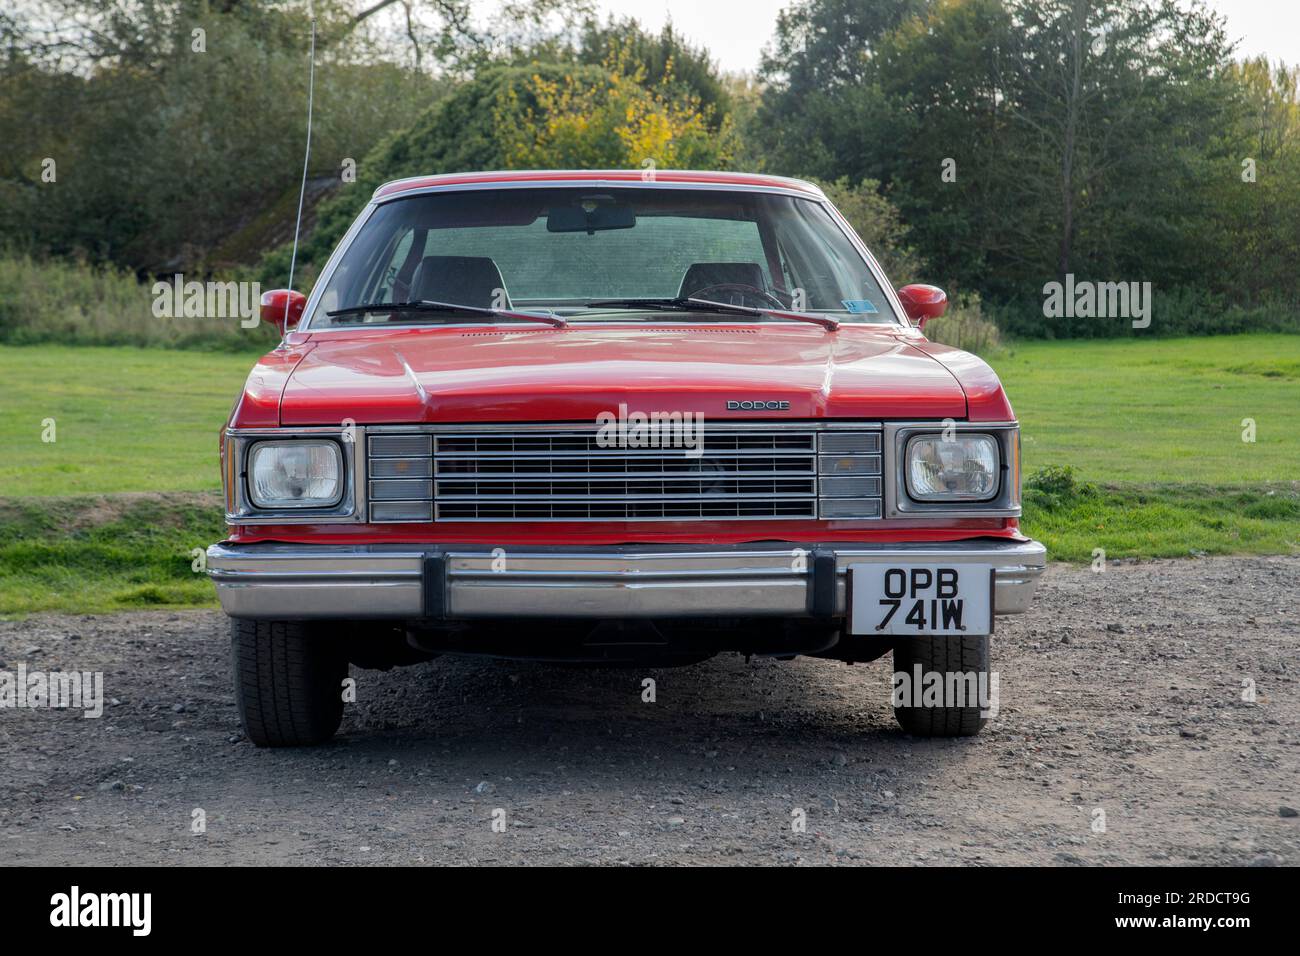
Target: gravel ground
[{"x": 1120, "y": 692}]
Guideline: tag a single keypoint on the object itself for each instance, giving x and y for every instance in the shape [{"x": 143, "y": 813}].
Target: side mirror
[
  {"x": 923, "y": 303},
  {"x": 283, "y": 308}
]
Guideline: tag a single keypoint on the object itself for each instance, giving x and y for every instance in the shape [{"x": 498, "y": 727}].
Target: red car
[{"x": 586, "y": 416}]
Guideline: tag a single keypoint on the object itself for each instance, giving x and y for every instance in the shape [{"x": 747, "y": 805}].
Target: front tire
[
  {"x": 944, "y": 655},
  {"x": 288, "y": 682}
]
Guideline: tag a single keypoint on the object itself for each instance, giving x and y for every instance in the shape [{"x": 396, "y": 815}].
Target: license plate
[{"x": 918, "y": 599}]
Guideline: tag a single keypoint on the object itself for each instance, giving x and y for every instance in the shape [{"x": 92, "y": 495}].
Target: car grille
[{"x": 566, "y": 475}]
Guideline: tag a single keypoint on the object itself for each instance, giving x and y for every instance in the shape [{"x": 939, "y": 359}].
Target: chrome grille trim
[
  {"x": 618, "y": 489},
  {"x": 401, "y": 512},
  {"x": 568, "y": 475},
  {"x": 851, "y": 476},
  {"x": 399, "y": 469},
  {"x": 750, "y": 471},
  {"x": 585, "y": 509},
  {"x": 585, "y": 444},
  {"x": 833, "y": 508},
  {"x": 849, "y": 443},
  {"x": 396, "y": 489},
  {"x": 401, "y": 446},
  {"x": 623, "y": 466},
  {"x": 850, "y": 487}
]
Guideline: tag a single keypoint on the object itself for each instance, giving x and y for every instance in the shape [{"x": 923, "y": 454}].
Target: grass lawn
[
  {"x": 126, "y": 419},
  {"x": 92, "y": 553},
  {"x": 1151, "y": 428},
  {"x": 1160, "y": 410}
]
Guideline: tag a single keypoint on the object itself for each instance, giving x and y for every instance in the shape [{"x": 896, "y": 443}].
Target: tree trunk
[{"x": 1077, "y": 29}]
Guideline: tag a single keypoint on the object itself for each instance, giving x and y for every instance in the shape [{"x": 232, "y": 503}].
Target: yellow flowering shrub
[{"x": 613, "y": 123}]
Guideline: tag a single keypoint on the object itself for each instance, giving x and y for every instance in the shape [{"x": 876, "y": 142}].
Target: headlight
[
  {"x": 295, "y": 474},
  {"x": 962, "y": 468}
]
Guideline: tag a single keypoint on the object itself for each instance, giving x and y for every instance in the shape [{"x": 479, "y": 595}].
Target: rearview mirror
[
  {"x": 923, "y": 303},
  {"x": 590, "y": 216},
  {"x": 283, "y": 308}
]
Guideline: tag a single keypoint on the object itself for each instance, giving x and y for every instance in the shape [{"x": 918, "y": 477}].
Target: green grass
[
  {"x": 1170, "y": 521},
  {"x": 125, "y": 419},
  {"x": 1159, "y": 410},
  {"x": 1074, "y": 518},
  {"x": 1152, "y": 430},
  {"x": 95, "y": 554}
]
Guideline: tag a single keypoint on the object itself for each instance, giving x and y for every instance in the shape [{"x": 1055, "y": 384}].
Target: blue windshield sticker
[{"x": 859, "y": 305}]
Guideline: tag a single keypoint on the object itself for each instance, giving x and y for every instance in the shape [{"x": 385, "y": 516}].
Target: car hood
[{"x": 374, "y": 376}]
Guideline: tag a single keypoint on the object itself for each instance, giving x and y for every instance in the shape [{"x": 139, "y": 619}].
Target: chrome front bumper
[{"x": 296, "y": 582}]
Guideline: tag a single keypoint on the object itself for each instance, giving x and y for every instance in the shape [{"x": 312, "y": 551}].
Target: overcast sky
[{"x": 735, "y": 31}]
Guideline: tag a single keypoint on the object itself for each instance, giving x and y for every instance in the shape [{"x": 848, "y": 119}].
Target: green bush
[
  {"x": 1054, "y": 487},
  {"x": 75, "y": 304},
  {"x": 1174, "y": 312},
  {"x": 1059, "y": 480},
  {"x": 965, "y": 326}
]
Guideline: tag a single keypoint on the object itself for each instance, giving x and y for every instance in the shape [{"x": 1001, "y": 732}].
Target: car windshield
[{"x": 600, "y": 253}]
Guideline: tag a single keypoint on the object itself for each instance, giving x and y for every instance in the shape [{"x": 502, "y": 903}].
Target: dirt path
[{"x": 1120, "y": 692}]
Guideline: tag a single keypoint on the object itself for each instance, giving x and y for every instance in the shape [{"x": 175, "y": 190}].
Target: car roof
[{"x": 543, "y": 177}]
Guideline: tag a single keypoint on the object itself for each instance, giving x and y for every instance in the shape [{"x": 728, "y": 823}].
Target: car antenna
[{"x": 302, "y": 191}]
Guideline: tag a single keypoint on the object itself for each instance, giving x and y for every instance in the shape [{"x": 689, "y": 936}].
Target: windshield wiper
[
  {"x": 426, "y": 305},
  {"x": 688, "y": 304}
]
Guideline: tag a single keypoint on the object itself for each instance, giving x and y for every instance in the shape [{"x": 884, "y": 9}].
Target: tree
[
  {"x": 1019, "y": 138},
  {"x": 1115, "y": 100},
  {"x": 821, "y": 107},
  {"x": 876, "y": 220},
  {"x": 620, "y": 121},
  {"x": 946, "y": 155},
  {"x": 665, "y": 61},
  {"x": 176, "y": 126},
  {"x": 554, "y": 115},
  {"x": 1253, "y": 232},
  {"x": 448, "y": 37}
]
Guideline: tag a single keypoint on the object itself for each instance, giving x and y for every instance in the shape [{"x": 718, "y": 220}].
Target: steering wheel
[{"x": 767, "y": 300}]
